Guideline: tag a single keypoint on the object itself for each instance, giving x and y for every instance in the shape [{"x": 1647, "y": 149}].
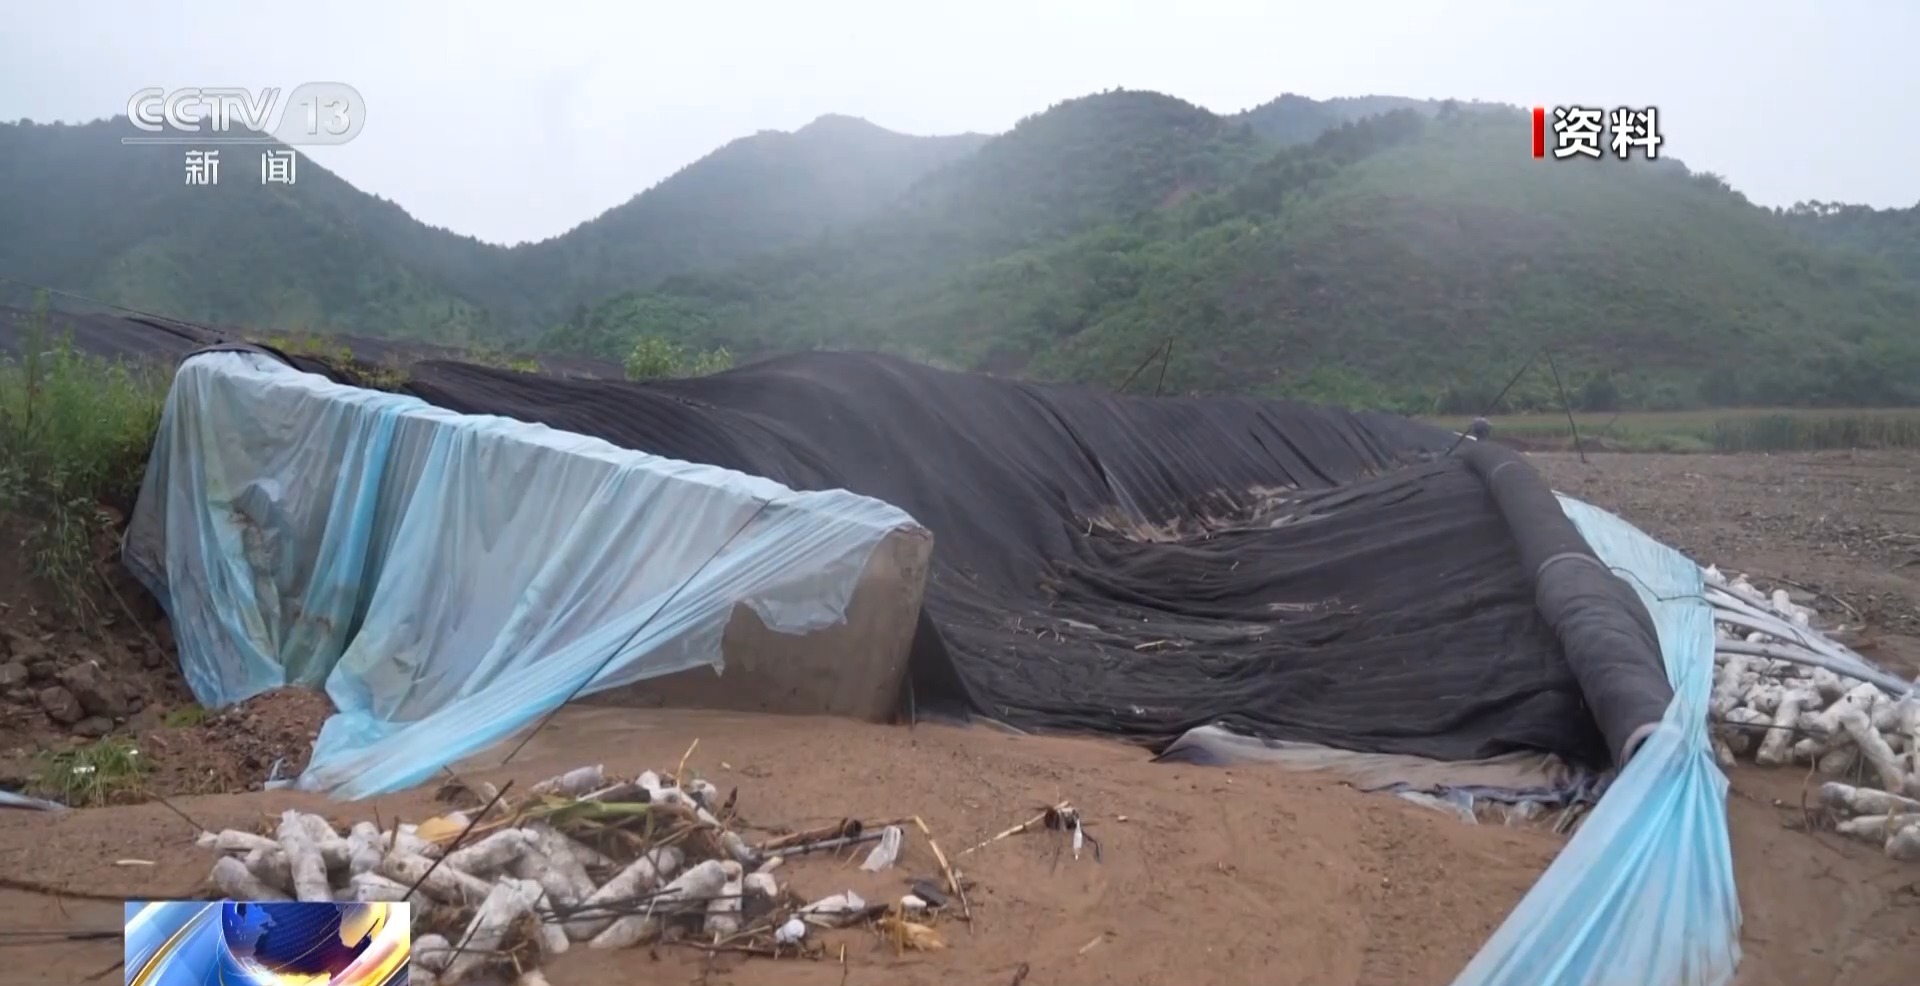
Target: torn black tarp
[{"x": 1142, "y": 566}]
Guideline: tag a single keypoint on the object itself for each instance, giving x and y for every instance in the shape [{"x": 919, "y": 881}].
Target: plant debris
[{"x": 499, "y": 883}]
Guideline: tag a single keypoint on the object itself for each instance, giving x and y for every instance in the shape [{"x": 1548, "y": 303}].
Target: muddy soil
[
  {"x": 69, "y": 675},
  {"x": 1816, "y": 908}
]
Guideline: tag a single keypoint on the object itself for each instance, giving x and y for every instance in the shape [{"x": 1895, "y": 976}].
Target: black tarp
[
  {"x": 1140, "y": 566},
  {"x": 1111, "y": 564},
  {"x": 165, "y": 341}
]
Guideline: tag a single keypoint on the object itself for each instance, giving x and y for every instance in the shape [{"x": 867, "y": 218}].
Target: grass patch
[
  {"x": 1737, "y": 430},
  {"x": 75, "y": 431},
  {"x": 501, "y": 359},
  {"x": 106, "y": 772},
  {"x": 389, "y": 377},
  {"x": 314, "y": 344},
  {"x": 186, "y": 717}
]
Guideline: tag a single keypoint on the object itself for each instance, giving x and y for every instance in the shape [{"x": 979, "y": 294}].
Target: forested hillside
[
  {"x": 1083, "y": 164},
  {"x": 1393, "y": 252},
  {"x": 1391, "y": 262}
]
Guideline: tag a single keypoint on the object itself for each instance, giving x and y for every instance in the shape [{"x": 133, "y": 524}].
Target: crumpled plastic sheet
[
  {"x": 1583, "y": 787},
  {"x": 449, "y": 578},
  {"x": 8, "y": 799},
  {"x": 1643, "y": 895},
  {"x": 1508, "y": 779}
]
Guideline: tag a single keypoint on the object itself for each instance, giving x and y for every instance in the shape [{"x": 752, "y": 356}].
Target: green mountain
[
  {"x": 83, "y": 213},
  {"x": 1084, "y": 164},
  {"x": 1414, "y": 259},
  {"x": 1393, "y": 252}
]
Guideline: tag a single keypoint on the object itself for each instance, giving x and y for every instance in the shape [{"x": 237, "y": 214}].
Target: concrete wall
[{"x": 855, "y": 669}]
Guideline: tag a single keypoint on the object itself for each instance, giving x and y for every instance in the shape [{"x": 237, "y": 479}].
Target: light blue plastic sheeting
[
  {"x": 448, "y": 578},
  {"x": 1643, "y": 895}
]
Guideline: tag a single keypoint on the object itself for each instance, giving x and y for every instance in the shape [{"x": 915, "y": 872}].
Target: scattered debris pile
[
  {"x": 1784, "y": 693},
  {"x": 499, "y": 883}
]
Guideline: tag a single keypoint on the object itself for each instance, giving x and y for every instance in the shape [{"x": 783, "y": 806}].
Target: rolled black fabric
[{"x": 1606, "y": 633}]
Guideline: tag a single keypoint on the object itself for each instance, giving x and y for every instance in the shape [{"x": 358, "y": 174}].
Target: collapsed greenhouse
[{"x": 856, "y": 534}]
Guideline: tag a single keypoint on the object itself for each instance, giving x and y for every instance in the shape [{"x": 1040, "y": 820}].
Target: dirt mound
[{"x": 241, "y": 747}]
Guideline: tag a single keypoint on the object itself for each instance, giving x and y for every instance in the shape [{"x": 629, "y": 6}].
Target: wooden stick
[
  {"x": 1017, "y": 829},
  {"x": 838, "y": 830},
  {"x": 803, "y": 848},
  {"x": 953, "y": 884},
  {"x": 680, "y": 772}
]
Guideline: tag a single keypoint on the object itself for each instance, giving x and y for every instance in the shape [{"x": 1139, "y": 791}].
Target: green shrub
[{"x": 655, "y": 356}]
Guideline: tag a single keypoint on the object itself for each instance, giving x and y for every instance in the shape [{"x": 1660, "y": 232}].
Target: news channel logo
[
  {"x": 314, "y": 113},
  {"x": 267, "y": 943}
]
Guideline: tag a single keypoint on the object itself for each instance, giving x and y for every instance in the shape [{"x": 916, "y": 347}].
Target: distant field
[{"x": 1726, "y": 430}]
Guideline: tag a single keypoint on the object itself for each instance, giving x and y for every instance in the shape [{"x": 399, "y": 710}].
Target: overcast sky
[{"x": 514, "y": 120}]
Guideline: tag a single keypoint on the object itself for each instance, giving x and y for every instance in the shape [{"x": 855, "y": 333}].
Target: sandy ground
[
  {"x": 1215, "y": 876},
  {"x": 1218, "y": 875}
]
